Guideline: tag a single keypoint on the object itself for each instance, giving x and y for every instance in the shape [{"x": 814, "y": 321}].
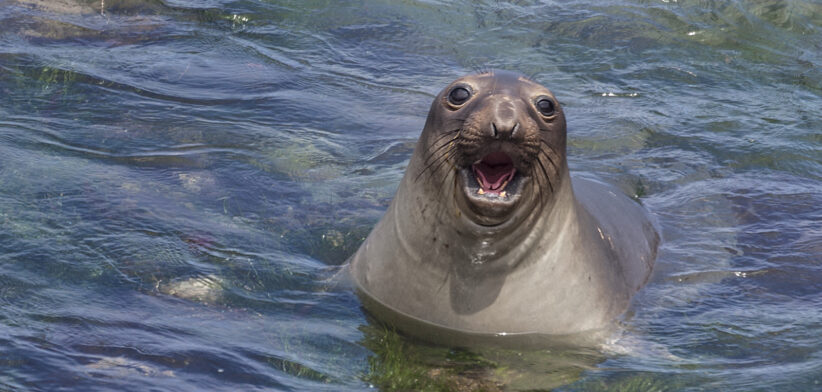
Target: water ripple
[{"x": 179, "y": 180}]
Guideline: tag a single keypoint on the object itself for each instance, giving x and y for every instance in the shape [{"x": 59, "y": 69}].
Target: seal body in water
[{"x": 489, "y": 235}]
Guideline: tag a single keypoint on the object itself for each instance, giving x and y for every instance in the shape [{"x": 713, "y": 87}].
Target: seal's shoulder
[{"x": 624, "y": 223}]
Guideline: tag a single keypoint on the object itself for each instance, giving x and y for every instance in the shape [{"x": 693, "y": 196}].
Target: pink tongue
[{"x": 494, "y": 170}]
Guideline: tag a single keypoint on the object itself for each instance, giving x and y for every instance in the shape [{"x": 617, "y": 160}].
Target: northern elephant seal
[{"x": 488, "y": 235}]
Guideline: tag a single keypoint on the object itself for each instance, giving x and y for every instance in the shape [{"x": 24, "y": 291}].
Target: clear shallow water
[{"x": 178, "y": 179}]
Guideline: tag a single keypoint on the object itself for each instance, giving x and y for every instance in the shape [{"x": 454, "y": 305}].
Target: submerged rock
[{"x": 207, "y": 289}]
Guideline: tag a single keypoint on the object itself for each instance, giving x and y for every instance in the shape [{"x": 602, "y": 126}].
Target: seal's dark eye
[
  {"x": 545, "y": 107},
  {"x": 458, "y": 96}
]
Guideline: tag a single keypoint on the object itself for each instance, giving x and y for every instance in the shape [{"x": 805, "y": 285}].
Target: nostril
[{"x": 504, "y": 130}]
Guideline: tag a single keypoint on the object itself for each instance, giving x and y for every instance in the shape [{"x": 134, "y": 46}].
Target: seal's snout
[
  {"x": 504, "y": 122},
  {"x": 494, "y": 172}
]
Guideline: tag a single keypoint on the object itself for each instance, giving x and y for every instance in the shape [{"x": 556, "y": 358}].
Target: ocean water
[{"x": 179, "y": 179}]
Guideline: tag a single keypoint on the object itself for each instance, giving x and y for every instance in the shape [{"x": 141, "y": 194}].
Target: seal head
[{"x": 508, "y": 128}]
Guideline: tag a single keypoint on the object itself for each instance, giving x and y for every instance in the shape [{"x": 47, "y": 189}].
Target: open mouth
[
  {"x": 493, "y": 174},
  {"x": 492, "y": 188}
]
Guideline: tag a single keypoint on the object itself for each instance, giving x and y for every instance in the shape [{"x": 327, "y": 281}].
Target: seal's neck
[{"x": 534, "y": 222}]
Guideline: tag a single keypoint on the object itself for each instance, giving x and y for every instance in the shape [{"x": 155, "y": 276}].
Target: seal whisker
[
  {"x": 549, "y": 159},
  {"x": 447, "y": 175},
  {"x": 539, "y": 184},
  {"x": 535, "y": 176},
  {"x": 549, "y": 147},
  {"x": 437, "y": 161},
  {"x": 436, "y": 150},
  {"x": 443, "y": 160},
  {"x": 547, "y": 178},
  {"x": 542, "y": 181},
  {"x": 440, "y": 137},
  {"x": 447, "y": 155},
  {"x": 433, "y": 154}
]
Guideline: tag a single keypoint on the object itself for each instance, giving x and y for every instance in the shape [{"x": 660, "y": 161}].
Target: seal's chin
[{"x": 492, "y": 187}]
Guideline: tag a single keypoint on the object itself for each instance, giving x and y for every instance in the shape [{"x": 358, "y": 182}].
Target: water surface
[{"x": 179, "y": 178}]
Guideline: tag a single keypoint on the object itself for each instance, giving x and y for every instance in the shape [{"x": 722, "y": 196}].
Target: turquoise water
[{"x": 179, "y": 179}]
